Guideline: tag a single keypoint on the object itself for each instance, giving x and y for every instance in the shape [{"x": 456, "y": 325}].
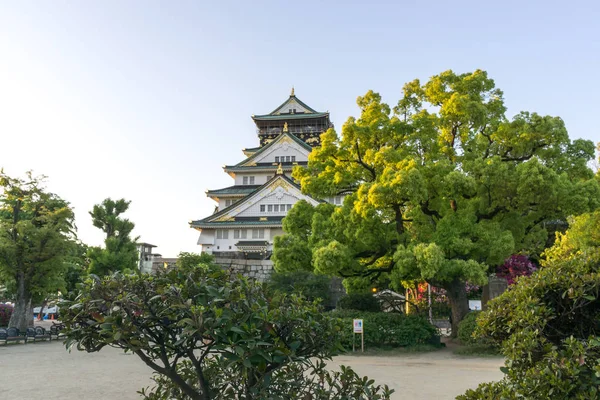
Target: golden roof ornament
[
  {"x": 285, "y": 127},
  {"x": 280, "y": 170},
  {"x": 292, "y": 92}
]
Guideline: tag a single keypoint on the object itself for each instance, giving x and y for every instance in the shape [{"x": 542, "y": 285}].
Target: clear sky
[{"x": 148, "y": 100}]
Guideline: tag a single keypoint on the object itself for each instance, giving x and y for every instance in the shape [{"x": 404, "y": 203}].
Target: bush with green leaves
[
  {"x": 208, "y": 335},
  {"x": 466, "y": 328},
  {"x": 359, "y": 302},
  {"x": 304, "y": 283},
  {"x": 548, "y": 324},
  {"x": 386, "y": 329}
]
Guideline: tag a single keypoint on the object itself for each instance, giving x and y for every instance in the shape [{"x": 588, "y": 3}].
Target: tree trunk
[
  {"x": 41, "y": 314},
  {"x": 457, "y": 295},
  {"x": 22, "y": 317}
]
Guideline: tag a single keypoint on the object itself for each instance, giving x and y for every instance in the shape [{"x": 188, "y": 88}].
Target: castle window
[
  {"x": 287, "y": 158},
  {"x": 245, "y": 180},
  {"x": 270, "y": 208},
  {"x": 262, "y": 208},
  {"x": 293, "y": 158},
  {"x": 252, "y": 180},
  {"x": 276, "y": 207},
  {"x": 258, "y": 233},
  {"x": 289, "y": 207},
  {"x": 276, "y": 159},
  {"x": 222, "y": 234},
  {"x": 239, "y": 234}
]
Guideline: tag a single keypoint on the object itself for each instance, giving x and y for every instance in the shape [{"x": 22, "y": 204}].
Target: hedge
[{"x": 386, "y": 329}]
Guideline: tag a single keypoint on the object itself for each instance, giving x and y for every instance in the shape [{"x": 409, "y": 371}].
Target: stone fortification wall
[
  {"x": 262, "y": 269},
  {"x": 257, "y": 269}
]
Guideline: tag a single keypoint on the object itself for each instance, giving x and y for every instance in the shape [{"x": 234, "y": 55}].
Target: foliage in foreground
[
  {"x": 211, "y": 336},
  {"x": 548, "y": 324},
  {"x": 386, "y": 329}
]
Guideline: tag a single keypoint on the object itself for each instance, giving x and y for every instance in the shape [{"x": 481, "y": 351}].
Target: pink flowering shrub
[{"x": 515, "y": 266}]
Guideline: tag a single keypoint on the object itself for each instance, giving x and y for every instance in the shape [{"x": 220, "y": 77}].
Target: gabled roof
[
  {"x": 308, "y": 112},
  {"x": 271, "y": 144},
  {"x": 224, "y": 217},
  {"x": 291, "y": 99}
]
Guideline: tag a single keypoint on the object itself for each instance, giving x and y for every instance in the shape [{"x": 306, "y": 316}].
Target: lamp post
[{"x": 429, "y": 302}]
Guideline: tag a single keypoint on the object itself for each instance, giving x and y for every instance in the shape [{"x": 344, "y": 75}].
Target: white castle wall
[{"x": 260, "y": 178}]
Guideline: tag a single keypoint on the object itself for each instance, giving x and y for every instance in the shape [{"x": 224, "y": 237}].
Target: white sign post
[{"x": 358, "y": 328}]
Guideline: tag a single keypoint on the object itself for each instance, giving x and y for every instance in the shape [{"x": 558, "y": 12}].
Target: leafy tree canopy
[
  {"x": 36, "y": 232},
  {"x": 119, "y": 252},
  {"x": 438, "y": 188}
]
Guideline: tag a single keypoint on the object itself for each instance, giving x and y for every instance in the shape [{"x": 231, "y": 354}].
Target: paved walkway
[{"x": 47, "y": 371}]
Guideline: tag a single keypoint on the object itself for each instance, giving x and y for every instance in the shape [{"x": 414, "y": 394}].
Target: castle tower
[{"x": 249, "y": 213}]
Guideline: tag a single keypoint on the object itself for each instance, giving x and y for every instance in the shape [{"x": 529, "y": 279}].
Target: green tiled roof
[
  {"x": 289, "y": 116},
  {"x": 220, "y": 224},
  {"x": 233, "y": 190},
  {"x": 239, "y": 221},
  {"x": 268, "y": 167},
  {"x": 252, "y": 243},
  {"x": 251, "y": 150}
]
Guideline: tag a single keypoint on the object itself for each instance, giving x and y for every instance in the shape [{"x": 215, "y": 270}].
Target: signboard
[
  {"x": 474, "y": 304},
  {"x": 358, "y": 326}
]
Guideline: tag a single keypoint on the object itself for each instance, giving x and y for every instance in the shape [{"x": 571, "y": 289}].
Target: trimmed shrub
[
  {"x": 467, "y": 327},
  {"x": 359, "y": 302},
  {"x": 6, "y": 311},
  {"x": 386, "y": 329}
]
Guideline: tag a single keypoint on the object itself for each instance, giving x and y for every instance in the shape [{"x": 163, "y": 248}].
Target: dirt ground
[{"x": 47, "y": 371}]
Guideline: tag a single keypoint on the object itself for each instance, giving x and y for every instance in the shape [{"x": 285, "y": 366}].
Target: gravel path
[{"x": 46, "y": 371}]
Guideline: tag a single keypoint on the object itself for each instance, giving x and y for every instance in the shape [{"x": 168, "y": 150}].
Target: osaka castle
[{"x": 248, "y": 214}]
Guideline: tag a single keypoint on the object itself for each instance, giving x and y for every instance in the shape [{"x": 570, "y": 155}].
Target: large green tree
[
  {"x": 439, "y": 188},
  {"x": 119, "y": 252},
  {"x": 36, "y": 232}
]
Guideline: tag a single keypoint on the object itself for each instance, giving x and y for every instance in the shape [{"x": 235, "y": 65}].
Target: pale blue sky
[{"x": 147, "y": 100}]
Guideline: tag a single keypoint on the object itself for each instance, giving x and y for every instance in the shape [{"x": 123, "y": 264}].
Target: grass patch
[{"x": 477, "y": 350}]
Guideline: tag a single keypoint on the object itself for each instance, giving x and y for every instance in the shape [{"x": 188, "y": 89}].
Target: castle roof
[
  {"x": 232, "y": 191},
  {"x": 228, "y": 217},
  {"x": 303, "y": 111}
]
